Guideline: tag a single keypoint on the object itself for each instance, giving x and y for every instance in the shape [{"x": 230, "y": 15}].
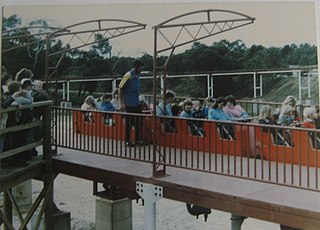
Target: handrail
[
  {"x": 248, "y": 151},
  {"x": 45, "y": 124}
]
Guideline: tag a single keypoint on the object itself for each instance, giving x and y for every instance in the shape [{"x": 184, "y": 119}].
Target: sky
[{"x": 277, "y": 23}]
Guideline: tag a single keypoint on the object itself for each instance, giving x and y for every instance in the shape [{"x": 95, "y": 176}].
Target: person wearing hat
[{"x": 129, "y": 89}]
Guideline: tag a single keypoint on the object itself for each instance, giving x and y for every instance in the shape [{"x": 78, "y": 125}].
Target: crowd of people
[
  {"x": 18, "y": 90},
  {"x": 23, "y": 89}
]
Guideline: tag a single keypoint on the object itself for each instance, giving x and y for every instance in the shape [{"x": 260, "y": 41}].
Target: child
[
  {"x": 107, "y": 106},
  {"x": 187, "y": 109}
]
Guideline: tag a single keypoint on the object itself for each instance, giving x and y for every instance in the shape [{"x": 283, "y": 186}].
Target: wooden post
[{"x": 47, "y": 155}]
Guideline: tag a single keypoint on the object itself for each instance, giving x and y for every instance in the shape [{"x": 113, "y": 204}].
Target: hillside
[{"x": 290, "y": 86}]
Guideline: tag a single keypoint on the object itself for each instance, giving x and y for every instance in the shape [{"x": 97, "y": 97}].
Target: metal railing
[{"x": 274, "y": 154}]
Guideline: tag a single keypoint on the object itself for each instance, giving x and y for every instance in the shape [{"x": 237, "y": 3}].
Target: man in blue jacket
[{"x": 129, "y": 96}]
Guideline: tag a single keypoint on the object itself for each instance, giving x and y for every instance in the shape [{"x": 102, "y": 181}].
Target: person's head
[
  {"x": 26, "y": 84},
  {"x": 265, "y": 112},
  {"x": 219, "y": 103},
  {"x": 209, "y": 101},
  {"x": 89, "y": 100},
  {"x": 169, "y": 96},
  {"x": 137, "y": 65},
  {"x": 286, "y": 110},
  {"x": 24, "y": 73},
  {"x": 106, "y": 97},
  {"x": 290, "y": 100},
  {"x": 14, "y": 86},
  {"x": 310, "y": 113},
  {"x": 187, "y": 105},
  {"x": 37, "y": 85},
  {"x": 6, "y": 78},
  {"x": 230, "y": 100},
  {"x": 196, "y": 105}
]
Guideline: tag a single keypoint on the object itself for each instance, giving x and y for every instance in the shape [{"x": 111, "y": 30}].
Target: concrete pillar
[
  {"x": 22, "y": 194},
  {"x": 61, "y": 221},
  {"x": 113, "y": 214}
]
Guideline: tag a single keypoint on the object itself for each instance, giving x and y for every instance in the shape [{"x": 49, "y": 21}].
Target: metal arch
[
  {"x": 97, "y": 26},
  {"x": 26, "y": 33},
  {"x": 217, "y": 26},
  {"x": 75, "y": 33},
  {"x": 203, "y": 31}
]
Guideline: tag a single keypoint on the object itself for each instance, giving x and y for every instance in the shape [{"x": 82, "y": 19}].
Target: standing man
[{"x": 129, "y": 96}]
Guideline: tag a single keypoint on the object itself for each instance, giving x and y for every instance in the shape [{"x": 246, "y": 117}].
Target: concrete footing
[
  {"x": 61, "y": 220},
  {"x": 113, "y": 214}
]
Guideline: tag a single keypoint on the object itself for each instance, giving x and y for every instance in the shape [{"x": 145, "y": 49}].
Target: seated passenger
[
  {"x": 216, "y": 113},
  {"x": 89, "y": 104},
  {"x": 310, "y": 114},
  {"x": 197, "y": 126},
  {"x": 168, "y": 98},
  {"x": 286, "y": 117},
  {"x": 164, "y": 109},
  {"x": 116, "y": 100},
  {"x": 187, "y": 109},
  {"x": 233, "y": 110},
  {"x": 288, "y": 112},
  {"x": 207, "y": 105},
  {"x": 107, "y": 106},
  {"x": 266, "y": 118},
  {"x": 144, "y": 104}
]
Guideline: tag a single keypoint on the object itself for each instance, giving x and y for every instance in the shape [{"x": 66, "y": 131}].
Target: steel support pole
[
  {"x": 150, "y": 194},
  {"x": 236, "y": 221},
  {"x": 317, "y": 8}
]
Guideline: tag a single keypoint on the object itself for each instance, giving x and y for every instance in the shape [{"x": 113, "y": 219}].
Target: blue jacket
[
  {"x": 218, "y": 114},
  {"x": 107, "y": 106},
  {"x": 130, "y": 88}
]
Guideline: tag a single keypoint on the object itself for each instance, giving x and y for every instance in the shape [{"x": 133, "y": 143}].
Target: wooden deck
[
  {"x": 261, "y": 200},
  {"x": 12, "y": 176}
]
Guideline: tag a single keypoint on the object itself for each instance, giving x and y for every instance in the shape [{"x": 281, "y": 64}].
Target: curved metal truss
[
  {"x": 181, "y": 30},
  {"x": 25, "y": 36},
  {"x": 198, "y": 25},
  {"x": 85, "y": 33}
]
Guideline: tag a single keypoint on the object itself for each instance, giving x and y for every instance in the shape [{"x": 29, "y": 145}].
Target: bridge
[{"x": 232, "y": 175}]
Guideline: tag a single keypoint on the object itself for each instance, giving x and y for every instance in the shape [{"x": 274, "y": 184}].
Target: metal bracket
[{"x": 150, "y": 194}]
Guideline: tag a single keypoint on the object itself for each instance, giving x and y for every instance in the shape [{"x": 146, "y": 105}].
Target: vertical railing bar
[
  {"x": 261, "y": 151},
  {"x": 216, "y": 144},
  {"x": 316, "y": 158},
  {"x": 285, "y": 157},
  {"x": 210, "y": 146},
  {"x": 269, "y": 154}
]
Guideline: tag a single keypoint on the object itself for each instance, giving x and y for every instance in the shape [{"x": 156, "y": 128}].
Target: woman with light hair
[
  {"x": 309, "y": 114},
  {"x": 288, "y": 113},
  {"x": 89, "y": 104}
]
